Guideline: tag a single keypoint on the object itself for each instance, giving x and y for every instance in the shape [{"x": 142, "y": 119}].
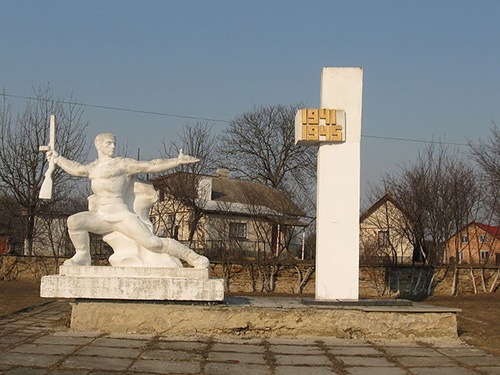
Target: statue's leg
[
  {"x": 133, "y": 228},
  {"x": 81, "y": 241},
  {"x": 136, "y": 230},
  {"x": 178, "y": 250},
  {"x": 79, "y": 226}
]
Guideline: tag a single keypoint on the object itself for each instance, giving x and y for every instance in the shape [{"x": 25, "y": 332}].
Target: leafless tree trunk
[
  {"x": 473, "y": 279},
  {"x": 487, "y": 156},
  {"x": 196, "y": 140},
  {"x": 492, "y": 288},
  {"x": 22, "y": 165},
  {"x": 259, "y": 145},
  {"x": 439, "y": 194}
]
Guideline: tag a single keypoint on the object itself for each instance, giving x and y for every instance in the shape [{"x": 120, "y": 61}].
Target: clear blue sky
[{"x": 431, "y": 68}]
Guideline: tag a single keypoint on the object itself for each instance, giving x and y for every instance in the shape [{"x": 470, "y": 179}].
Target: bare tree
[
  {"x": 487, "y": 155},
  {"x": 182, "y": 190},
  {"x": 439, "y": 194},
  {"x": 197, "y": 140},
  {"x": 22, "y": 165},
  {"x": 259, "y": 145}
]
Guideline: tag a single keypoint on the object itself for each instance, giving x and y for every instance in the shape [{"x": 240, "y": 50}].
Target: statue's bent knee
[
  {"x": 74, "y": 222},
  {"x": 155, "y": 244}
]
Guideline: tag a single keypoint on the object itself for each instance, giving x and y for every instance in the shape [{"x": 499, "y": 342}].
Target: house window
[
  {"x": 383, "y": 238},
  {"x": 484, "y": 254},
  {"x": 483, "y": 238},
  {"x": 464, "y": 238},
  {"x": 170, "y": 222},
  {"x": 238, "y": 230}
]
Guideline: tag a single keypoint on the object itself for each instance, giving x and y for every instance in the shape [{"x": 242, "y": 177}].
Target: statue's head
[{"x": 105, "y": 144}]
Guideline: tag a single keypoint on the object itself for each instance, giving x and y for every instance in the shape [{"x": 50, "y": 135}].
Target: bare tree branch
[{"x": 22, "y": 165}]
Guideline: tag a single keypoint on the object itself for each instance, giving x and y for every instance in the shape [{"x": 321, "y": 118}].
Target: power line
[
  {"x": 120, "y": 109},
  {"x": 212, "y": 119},
  {"x": 413, "y": 140}
]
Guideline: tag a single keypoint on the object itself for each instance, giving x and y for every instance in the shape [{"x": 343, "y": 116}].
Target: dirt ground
[
  {"x": 18, "y": 295},
  {"x": 478, "y": 322}
]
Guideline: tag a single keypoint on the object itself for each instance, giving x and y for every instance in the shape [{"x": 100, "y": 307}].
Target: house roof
[
  {"x": 493, "y": 230},
  {"x": 386, "y": 198},
  {"x": 253, "y": 194},
  {"x": 250, "y": 194}
]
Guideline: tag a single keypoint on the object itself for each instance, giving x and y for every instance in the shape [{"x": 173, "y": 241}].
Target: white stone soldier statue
[{"x": 119, "y": 210}]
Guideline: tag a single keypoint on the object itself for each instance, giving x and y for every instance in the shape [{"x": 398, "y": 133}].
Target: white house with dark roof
[{"x": 244, "y": 215}]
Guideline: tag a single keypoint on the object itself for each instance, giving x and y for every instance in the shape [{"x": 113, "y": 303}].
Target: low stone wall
[
  {"x": 28, "y": 268},
  {"x": 374, "y": 281}
]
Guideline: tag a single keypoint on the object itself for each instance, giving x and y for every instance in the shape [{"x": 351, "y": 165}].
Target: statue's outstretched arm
[
  {"x": 69, "y": 166},
  {"x": 160, "y": 165}
]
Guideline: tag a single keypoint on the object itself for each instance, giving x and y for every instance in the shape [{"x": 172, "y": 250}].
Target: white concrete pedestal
[{"x": 133, "y": 283}]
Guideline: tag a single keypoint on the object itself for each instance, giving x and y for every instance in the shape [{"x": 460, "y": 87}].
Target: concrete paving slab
[
  {"x": 15, "y": 325},
  {"x": 240, "y": 340},
  {"x": 425, "y": 361},
  {"x": 236, "y": 369},
  {"x": 294, "y": 349},
  {"x": 166, "y": 367},
  {"x": 11, "y": 339},
  {"x": 286, "y": 341},
  {"x": 375, "y": 371},
  {"x": 91, "y": 353},
  {"x": 353, "y": 350},
  {"x": 63, "y": 340},
  {"x": 109, "y": 352},
  {"x": 479, "y": 361},
  {"x": 20, "y": 359},
  {"x": 26, "y": 371},
  {"x": 119, "y": 343},
  {"x": 233, "y": 357},
  {"x": 317, "y": 360},
  {"x": 71, "y": 372},
  {"x": 4, "y": 367},
  {"x": 392, "y": 344},
  {"x": 44, "y": 349},
  {"x": 343, "y": 342},
  {"x": 130, "y": 336},
  {"x": 365, "y": 361},
  {"x": 97, "y": 363},
  {"x": 289, "y": 370},
  {"x": 490, "y": 370},
  {"x": 239, "y": 348},
  {"x": 77, "y": 334},
  {"x": 460, "y": 352},
  {"x": 413, "y": 352},
  {"x": 171, "y": 355},
  {"x": 180, "y": 345},
  {"x": 442, "y": 371}
]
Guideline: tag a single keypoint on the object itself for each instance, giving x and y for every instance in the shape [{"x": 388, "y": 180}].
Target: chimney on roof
[{"x": 222, "y": 172}]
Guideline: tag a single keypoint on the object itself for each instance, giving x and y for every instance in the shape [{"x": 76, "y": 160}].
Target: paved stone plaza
[{"x": 38, "y": 341}]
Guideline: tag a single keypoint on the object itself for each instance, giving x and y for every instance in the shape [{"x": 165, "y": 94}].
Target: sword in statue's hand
[{"x": 46, "y": 189}]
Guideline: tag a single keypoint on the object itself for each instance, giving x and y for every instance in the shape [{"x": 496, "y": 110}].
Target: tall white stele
[{"x": 338, "y": 195}]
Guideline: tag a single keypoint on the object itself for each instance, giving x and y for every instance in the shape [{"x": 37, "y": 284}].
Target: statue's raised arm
[
  {"x": 160, "y": 165},
  {"x": 69, "y": 166}
]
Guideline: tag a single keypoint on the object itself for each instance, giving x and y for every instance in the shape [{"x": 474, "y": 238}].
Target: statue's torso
[{"x": 109, "y": 178}]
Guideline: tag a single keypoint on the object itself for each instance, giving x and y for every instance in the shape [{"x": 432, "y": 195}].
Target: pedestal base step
[
  {"x": 130, "y": 283},
  {"x": 268, "y": 317}
]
